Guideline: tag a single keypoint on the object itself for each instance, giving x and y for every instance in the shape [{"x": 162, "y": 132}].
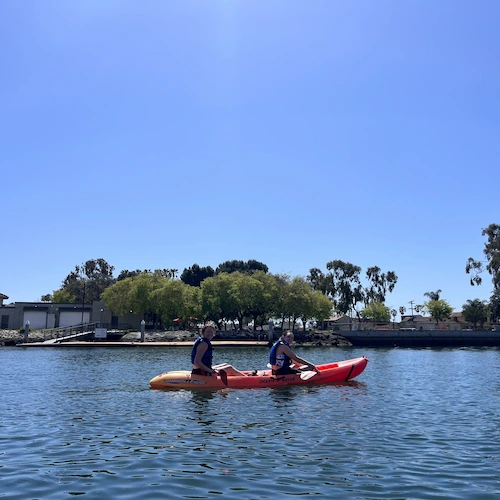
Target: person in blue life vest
[
  {"x": 282, "y": 356},
  {"x": 201, "y": 354}
]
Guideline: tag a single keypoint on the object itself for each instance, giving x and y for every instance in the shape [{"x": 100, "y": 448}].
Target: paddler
[
  {"x": 201, "y": 354},
  {"x": 282, "y": 356}
]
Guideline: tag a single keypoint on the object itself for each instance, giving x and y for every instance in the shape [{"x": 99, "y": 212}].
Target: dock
[{"x": 215, "y": 343}]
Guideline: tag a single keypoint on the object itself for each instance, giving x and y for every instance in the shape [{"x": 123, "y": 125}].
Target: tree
[
  {"x": 319, "y": 282},
  {"x": 439, "y": 309},
  {"x": 420, "y": 308},
  {"x": 261, "y": 310},
  {"x": 246, "y": 292},
  {"x": 376, "y": 312},
  {"x": 118, "y": 297},
  {"x": 494, "y": 306},
  {"x": 125, "y": 273},
  {"x": 279, "y": 308},
  {"x": 344, "y": 286},
  {"x": 254, "y": 265},
  {"x": 134, "y": 294},
  {"x": 195, "y": 274},
  {"x": 492, "y": 253},
  {"x": 379, "y": 284},
  {"x": 46, "y": 298},
  {"x": 142, "y": 300},
  {"x": 475, "y": 311},
  {"x": 167, "y": 273},
  {"x": 394, "y": 313},
  {"x": 321, "y": 307},
  {"x": 232, "y": 266},
  {"x": 298, "y": 300},
  {"x": 217, "y": 302},
  {"x": 86, "y": 282},
  {"x": 174, "y": 299},
  {"x": 62, "y": 297},
  {"x": 432, "y": 296}
]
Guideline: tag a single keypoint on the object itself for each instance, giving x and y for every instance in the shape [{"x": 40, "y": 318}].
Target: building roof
[
  {"x": 339, "y": 318},
  {"x": 4, "y": 297}
]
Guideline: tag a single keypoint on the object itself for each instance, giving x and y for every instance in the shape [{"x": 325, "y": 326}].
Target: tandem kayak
[{"x": 341, "y": 371}]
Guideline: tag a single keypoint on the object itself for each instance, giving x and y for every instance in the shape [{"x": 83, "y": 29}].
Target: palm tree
[{"x": 433, "y": 295}]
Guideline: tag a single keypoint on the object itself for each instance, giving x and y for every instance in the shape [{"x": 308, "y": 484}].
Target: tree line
[{"x": 242, "y": 291}]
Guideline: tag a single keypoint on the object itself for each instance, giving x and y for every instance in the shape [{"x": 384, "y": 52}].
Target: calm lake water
[{"x": 420, "y": 424}]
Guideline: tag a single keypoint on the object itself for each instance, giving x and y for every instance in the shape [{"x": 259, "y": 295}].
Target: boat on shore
[{"x": 340, "y": 371}]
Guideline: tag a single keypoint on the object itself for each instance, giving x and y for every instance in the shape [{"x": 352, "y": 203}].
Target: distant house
[
  {"x": 416, "y": 321},
  {"x": 419, "y": 322},
  {"x": 343, "y": 323}
]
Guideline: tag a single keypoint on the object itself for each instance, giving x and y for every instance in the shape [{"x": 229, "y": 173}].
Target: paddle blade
[
  {"x": 307, "y": 375},
  {"x": 223, "y": 376}
]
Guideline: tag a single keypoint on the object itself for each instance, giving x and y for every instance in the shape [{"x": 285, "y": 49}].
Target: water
[{"x": 420, "y": 424}]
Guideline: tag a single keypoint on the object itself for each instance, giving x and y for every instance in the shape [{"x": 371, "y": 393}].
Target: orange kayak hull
[{"x": 340, "y": 371}]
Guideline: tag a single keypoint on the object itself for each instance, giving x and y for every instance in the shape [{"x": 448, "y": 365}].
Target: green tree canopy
[
  {"x": 298, "y": 300},
  {"x": 439, "y": 309},
  {"x": 176, "y": 300},
  {"x": 232, "y": 266},
  {"x": 246, "y": 292},
  {"x": 195, "y": 274},
  {"x": 62, "y": 296},
  {"x": 134, "y": 294},
  {"x": 379, "y": 284},
  {"x": 118, "y": 297},
  {"x": 342, "y": 284},
  {"x": 86, "y": 282},
  {"x": 494, "y": 305},
  {"x": 125, "y": 273},
  {"x": 475, "y": 311},
  {"x": 318, "y": 280},
  {"x": 377, "y": 312},
  {"x": 218, "y": 304},
  {"x": 261, "y": 309}
]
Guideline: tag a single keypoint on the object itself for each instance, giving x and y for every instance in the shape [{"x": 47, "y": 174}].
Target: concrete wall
[{"x": 424, "y": 338}]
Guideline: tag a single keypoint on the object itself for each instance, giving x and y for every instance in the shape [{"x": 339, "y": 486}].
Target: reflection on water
[{"x": 416, "y": 424}]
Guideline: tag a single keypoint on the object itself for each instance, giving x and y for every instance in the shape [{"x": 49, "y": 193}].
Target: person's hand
[{"x": 314, "y": 368}]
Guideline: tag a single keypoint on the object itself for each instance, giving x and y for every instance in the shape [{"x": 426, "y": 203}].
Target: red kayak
[{"x": 341, "y": 371}]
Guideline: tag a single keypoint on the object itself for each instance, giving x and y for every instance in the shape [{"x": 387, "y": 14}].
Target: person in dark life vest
[
  {"x": 282, "y": 356},
  {"x": 201, "y": 354}
]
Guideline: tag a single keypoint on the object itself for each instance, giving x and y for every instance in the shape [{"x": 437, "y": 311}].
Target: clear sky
[{"x": 164, "y": 133}]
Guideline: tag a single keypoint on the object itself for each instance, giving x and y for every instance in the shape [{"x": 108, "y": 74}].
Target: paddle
[
  {"x": 223, "y": 376},
  {"x": 307, "y": 375}
]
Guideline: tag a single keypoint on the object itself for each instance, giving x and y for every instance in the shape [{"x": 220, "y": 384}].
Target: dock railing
[{"x": 68, "y": 331}]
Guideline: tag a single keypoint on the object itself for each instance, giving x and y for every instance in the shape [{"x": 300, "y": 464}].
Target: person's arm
[
  {"x": 298, "y": 359},
  {"x": 200, "y": 351}
]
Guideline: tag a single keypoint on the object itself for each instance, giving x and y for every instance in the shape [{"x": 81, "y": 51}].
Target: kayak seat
[{"x": 229, "y": 369}]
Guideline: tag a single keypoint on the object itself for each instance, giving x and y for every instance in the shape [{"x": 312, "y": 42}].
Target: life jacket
[
  {"x": 207, "y": 357},
  {"x": 280, "y": 359}
]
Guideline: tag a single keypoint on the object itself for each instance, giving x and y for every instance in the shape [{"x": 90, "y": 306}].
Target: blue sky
[{"x": 166, "y": 133}]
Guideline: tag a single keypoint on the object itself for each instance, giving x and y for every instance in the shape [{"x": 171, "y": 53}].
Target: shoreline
[{"x": 178, "y": 338}]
